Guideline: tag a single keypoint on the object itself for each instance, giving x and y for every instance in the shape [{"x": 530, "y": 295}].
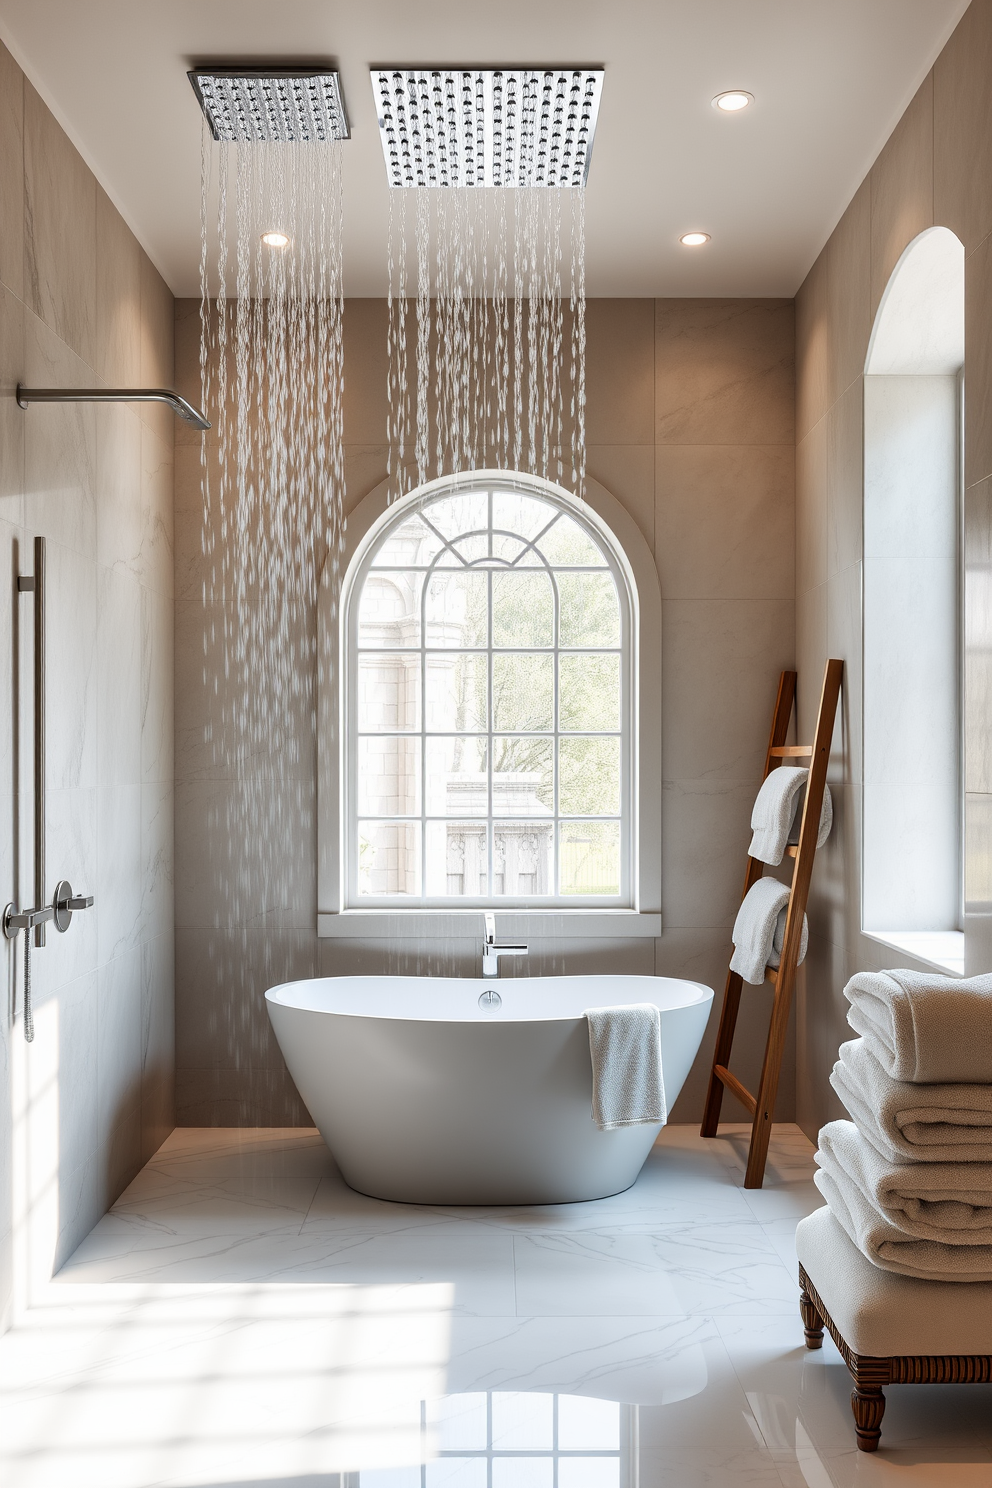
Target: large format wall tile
[
  {"x": 620, "y": 371},
  {"x": 962, "y": 119},
  {"x": 11, "y": 173},
  {"x": 901, "y": 187},
  {"x": 725, "y": 372},
  {"x": 978, "y": 364},
  {"x": 99, "y": 1076},
  {"x": 833, "y": 316},
  {"x": 59, "y": 231},
  {"x": 725, "y": 521}
]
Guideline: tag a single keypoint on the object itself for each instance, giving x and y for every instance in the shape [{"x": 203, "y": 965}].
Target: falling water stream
[
  {"x": 271, "y": 359},
  {"x": 486, "y": 333}
]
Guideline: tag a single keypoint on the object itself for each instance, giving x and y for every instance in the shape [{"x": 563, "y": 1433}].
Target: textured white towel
[
  {"x": 759, "y": 930},
  {"x": 777, "y": 814},
  {"x": 888, "y": 1247},
  {"x": 922, "y": 1123},
  {"x": 948, "y": 1202},
  {"x": 925, "y": 1028},
  {"x": 628, "y": 1087}
]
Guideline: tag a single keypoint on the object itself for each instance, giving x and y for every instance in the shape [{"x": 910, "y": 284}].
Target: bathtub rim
[{"x": 703, "y": 994}]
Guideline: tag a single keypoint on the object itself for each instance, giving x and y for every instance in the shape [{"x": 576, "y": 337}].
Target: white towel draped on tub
[
  {"x": 775, "y": 818},
  {"x": 925, "y": 1028},
  {"x": 628, "y": 1087},
  {"x": 947, "y": 1202},
  {"x": 929, "y": 1123},
  {"x": 759, "y": 930}
]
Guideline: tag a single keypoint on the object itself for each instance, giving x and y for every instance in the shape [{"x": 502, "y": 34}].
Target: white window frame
[{"x": 632, "y": 562}]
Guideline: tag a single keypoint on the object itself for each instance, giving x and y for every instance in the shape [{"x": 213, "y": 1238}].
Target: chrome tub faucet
[{"x": 491, "y": 952}]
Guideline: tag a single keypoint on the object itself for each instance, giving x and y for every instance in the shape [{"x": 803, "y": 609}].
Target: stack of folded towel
[{"x": 909, "y": 1178}]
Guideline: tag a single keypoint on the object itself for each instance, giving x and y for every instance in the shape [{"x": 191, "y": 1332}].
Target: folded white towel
[
  {"x": 759, "y": 930},
  {"x": 922, "y": 1123},
  {"x": 925, "y": 1028},
  {"x": 628, "y": 1086},
  {"x": 948, "y": 1202},
  {"x": 777, "y": 814},
  {"x": 888, "y": 1247}
]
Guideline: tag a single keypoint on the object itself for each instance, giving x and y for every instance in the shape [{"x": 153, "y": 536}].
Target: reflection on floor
[{"x": 242, "y": 1318}]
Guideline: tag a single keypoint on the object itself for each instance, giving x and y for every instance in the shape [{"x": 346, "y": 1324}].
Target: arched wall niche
[{"x": 912, "y": 880}]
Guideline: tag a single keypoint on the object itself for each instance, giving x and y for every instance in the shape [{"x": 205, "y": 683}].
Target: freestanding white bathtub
[{"x": 425, "y": 1096}]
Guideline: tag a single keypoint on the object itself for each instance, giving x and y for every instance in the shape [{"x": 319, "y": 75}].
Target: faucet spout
[{"x": 491, "y": 952}]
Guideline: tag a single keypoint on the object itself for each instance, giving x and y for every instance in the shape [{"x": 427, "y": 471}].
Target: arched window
[
  {"x": 912, "y": 885},
  {"x": 488, "y": 702}
]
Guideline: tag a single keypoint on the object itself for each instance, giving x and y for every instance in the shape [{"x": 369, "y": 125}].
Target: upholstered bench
[{"x": 890, "y": 1329}]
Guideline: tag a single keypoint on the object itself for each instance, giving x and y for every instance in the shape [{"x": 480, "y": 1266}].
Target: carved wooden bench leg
[
  {"x": 868, "y": 1405},
  {"x": 812, "y": 1321}
]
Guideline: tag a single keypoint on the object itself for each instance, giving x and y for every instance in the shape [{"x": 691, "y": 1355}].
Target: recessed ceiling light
[
  {"x": 694, "y": 239},
  {"x": 733, "y": 102},
  {"x": 275, "y": 239}
]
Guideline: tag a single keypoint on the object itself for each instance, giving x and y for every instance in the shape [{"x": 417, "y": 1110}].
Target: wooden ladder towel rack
[{"x": 783, "y": 978}]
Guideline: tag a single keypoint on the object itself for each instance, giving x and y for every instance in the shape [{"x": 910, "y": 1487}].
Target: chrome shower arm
[{"x": 178, "y": 404}]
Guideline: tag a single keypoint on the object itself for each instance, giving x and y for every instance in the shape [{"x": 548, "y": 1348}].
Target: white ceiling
[{"x": 830, "y": 79}]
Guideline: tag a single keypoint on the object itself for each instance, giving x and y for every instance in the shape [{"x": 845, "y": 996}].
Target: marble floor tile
[{"x": 243, "y": 1319}]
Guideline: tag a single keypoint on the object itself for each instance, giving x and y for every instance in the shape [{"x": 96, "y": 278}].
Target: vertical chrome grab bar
[{"x": 36, "y": 584}]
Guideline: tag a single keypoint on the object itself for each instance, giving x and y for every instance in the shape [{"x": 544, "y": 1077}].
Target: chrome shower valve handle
[{"x": 65, "y": 901}]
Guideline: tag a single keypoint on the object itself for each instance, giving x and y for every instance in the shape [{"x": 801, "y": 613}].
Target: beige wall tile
[
  {"x": 978, "y": 364},
  {"x": 627, "y": 472},
  {"x": 156, "y": 564},
  {"x": 118, "y": 297},
  {"x": 811, "y": 507},
  {"x": 158, "y": 1043},
  {"x": 13, "y": 421},
  {"x": 725, "y": 521},
  {"x": 158, "y": 365},
  {"x": 845, "y": 479},
  {"x": 11, "y": 173},
  {"x": 962, "y": 112},
  {"x": 118, "y": 487},
  {"x": 833, "y": 315},
  {"x": 619, "y": 371},
  {"x": 705, "y": 834},
  {"x": 365, "y": 323},
  {"x": 365, "y": 467},
  {"x": 724, "y": 371},
  {"x": 811, "y": 655},
  {"x": 60, "y": 452},
  {"x": 59, "y": 231},
  {"x": 721, "y": 661},
  {"x": 901, "y": 189}
]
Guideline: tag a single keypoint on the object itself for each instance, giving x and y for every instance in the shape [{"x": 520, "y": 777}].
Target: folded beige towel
[
  {"x": 890, "y": 1248},
  {"x": 948, "y": 1202},
  {"x": 759, "y": 930},
  {"x": 925, "y": 1123},
  {"x": 925, "y": 1028},
  {"x": 776, "y": 815}
]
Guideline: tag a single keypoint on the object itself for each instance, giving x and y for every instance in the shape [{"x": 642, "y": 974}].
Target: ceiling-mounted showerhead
[
  {"x": 283, "y": 105},
  {"x": 487, "y": 127}
]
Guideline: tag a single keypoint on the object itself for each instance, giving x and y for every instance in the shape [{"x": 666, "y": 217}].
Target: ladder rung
[
  {"x": 735, "y": 1087},
  {"x": 791, "y": 751},
  {"x": 771, "y": 975},
  {"x": 791, "y": 850}
]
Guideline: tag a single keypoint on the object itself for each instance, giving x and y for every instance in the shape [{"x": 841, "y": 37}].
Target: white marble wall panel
[{"x": 90, "y": 1100}]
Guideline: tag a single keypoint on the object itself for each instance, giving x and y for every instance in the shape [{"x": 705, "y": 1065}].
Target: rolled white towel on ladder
[
  {"x": 775, "y": 818},
  {"x": 759, "y": 930},
  {"x": 628, "y": 1085}
]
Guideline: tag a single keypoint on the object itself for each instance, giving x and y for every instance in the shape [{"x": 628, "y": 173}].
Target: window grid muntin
[{"x": 494, "y": 565}]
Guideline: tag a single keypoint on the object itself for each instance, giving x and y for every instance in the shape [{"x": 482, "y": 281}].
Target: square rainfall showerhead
[
  {"x": 487, "y": 127},
  {"x": 284, "y": 105}
]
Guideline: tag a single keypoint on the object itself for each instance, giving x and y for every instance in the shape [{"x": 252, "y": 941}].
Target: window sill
[
  {"x": 467, "y": 924},
  {"x": 942, "y": 949}
]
